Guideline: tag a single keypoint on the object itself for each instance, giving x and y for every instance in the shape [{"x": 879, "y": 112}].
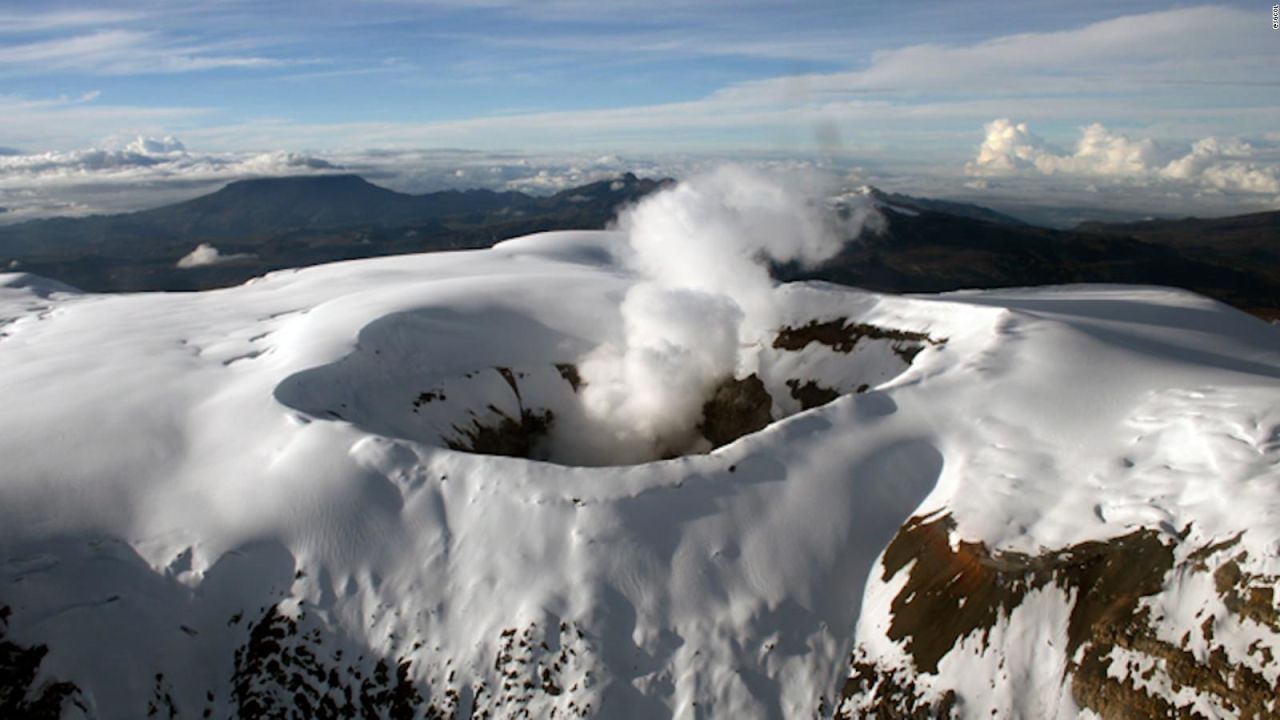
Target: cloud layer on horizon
[
  {"x": 129, "y": 175},
  {"x": 1013, "y": 168},
  {"x": 1211, "y": 164},
  {"x": 146, "y": 172}
]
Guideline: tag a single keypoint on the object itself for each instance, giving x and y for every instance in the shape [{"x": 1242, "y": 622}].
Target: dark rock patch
[
  {"x": 513, "y": 437},
  {"x": 288, "y": 668},
  {"x": 532, "y": 663},
  {"x": 893, "y": 694},
  {"x": 569, "y": 372},
  {"x": 736, "y": 408},
  {"x": 161, "y": 703},
  {"x": 281, "y": 672},
  {"x": 811, "y": 394},
  {"x": 21, "y": 696},
  {"x": 842, "y": 336},
  {"x": 510, "y": 378},
  {"x": 507, "y": 436},
  {"x": 429, "y": 396},
  {"x": 1246, "y": 595}
]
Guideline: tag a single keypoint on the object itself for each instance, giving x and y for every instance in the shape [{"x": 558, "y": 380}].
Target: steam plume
[{"x": 704, "y": 302}]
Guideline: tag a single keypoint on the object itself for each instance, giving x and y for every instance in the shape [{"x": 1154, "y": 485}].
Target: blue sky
[
  {"x": 176, "y": 67},
  {"x": 907, "y": 87}
]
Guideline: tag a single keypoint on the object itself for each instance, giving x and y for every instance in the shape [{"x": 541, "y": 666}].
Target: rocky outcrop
[{"x": 1117, "y": 662}]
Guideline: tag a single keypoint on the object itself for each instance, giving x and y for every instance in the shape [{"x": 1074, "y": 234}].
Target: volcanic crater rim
[{"x": 535, "y": 411}]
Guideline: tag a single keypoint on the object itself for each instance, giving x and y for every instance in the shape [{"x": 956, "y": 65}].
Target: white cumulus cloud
[
  {"x": 156, "y": 146},
  {"x": 1225, "y": 165},
  {"x": 1008, "y": 147},
  {"x": 1102, "y": 152},
  {"x": 1213, "y": 164}
]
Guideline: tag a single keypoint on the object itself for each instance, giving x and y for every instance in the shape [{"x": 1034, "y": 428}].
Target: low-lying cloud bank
[
  {"x": 134, "y": 175},
  {"x": 148, "y": 172},
  {"x": 148, "y": 159},
  {"x": 1107, "y": 175},
  {"x": 1211, "y": 164}
]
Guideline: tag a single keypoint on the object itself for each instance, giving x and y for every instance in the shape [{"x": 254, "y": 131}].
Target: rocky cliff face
[{"x": 1122, "y": 655}]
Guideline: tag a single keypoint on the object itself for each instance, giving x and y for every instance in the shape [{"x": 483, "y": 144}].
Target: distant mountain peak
[
  {"x": 898, "y": 202},
  {"x": 328, "y": 180}
]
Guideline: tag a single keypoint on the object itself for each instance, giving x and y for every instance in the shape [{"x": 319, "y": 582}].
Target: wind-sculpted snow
[{"x": 248, "y": 502}]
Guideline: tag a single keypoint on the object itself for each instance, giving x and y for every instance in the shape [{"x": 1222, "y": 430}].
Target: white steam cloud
[{"x": 704, "y": 303}]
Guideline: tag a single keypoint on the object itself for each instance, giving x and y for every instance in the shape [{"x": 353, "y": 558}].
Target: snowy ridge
[{"x": 245, "y": 499}]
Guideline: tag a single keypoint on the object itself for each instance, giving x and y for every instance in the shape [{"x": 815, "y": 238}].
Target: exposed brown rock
[
  {"x": 953, "y": 593},
  {"x": 842, "y": 336},
  {"x": 1246, "y": 595},
  {"x": 736, "y": 408}
]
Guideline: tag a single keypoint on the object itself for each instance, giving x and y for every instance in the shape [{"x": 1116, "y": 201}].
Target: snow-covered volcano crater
[
  {"x": 248, "y": 502},
  {"x": 496, "y": 380}
]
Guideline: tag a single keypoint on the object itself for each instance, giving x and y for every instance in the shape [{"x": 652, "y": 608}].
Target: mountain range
[
  {"x": 928, "y": 248},
  {"x": 269, "y": 224},
  {"x": 927, "y": 245}
]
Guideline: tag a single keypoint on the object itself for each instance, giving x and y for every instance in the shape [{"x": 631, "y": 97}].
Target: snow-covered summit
[{"x": 265, "y": 499}]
